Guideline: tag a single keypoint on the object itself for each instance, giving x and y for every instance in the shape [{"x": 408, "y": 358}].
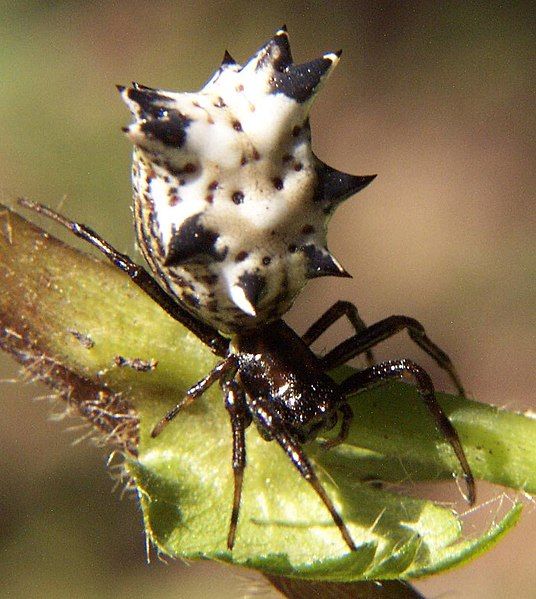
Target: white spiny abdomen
[{"x": 231, "y": 204}]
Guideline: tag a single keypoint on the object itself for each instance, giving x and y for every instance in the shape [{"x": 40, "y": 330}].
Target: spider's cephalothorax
[{"x": 231, "y": 204}]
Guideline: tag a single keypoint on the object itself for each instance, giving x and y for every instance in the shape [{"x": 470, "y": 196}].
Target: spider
[{"x": 232, "y": 229}]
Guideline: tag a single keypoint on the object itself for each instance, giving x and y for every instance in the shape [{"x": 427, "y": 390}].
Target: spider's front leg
[
  {"x": 219, "y": 371},
  {"x": 404, "y": 369},
  {"x": 235, "y": 403},
  {"x": 268, "y": 419},
  {"x": 138, "y": 275},
  {"x": 347, "y": 416}
]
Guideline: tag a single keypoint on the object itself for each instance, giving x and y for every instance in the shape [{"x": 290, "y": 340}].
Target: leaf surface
[{"x": 60, "y": 307}]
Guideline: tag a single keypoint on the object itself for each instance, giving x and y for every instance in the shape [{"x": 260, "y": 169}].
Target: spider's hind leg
[
  {"x": 369, "y": 337},
  {"x": 137, "y": 274},
  {"x": 330, "y": 316}
]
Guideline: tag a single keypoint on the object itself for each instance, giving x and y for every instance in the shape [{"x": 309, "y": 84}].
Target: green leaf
[{"x": 67, "y": 316}]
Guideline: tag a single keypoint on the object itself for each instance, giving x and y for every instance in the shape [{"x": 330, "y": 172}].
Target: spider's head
[{"x": 232, "y": 205}]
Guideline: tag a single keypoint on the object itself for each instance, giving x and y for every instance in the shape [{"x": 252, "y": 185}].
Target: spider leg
[
  {"x": 270, "y": 421},
  {"x": 374, "y": 334},
  {"x": 330, "y": 316},
  {"x": 138, "y": 275},
  {"x": 220, "y": 370},
  {"x": 236, "y": 406},
  {"x": 347, "y": 416},
  {"x": 370, "y": 377}
]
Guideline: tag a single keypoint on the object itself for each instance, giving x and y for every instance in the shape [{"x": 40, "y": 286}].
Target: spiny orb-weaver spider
[{"x": 231, "y": 209}]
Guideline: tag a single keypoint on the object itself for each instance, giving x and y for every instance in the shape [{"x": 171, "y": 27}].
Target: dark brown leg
[
  {"x": 347, "y": 416},
  {"x": 139, "y": 276},
  {"x": 406, "y": 369},
  {"x": 382, "y": 330},
  {"x": 236, "y": 406},
  {"x": 222, "y": 369},
  {"x": 338, "y": 310},
  {"x": 268, "y": 419}
]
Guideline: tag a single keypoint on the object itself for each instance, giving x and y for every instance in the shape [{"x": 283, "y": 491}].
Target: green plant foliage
[{"x": 184, "y": 477}]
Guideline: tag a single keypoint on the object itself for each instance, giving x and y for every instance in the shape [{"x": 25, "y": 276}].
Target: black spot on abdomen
[
  {"x": 170, "y": 130},
  {"x": 152, "y": 103},
  {"x": 193, "y": 242},
  {"x": 254, "y": 286}
]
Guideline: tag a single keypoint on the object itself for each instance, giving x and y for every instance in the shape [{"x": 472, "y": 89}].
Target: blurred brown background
[{"x": 435, "y": 97}]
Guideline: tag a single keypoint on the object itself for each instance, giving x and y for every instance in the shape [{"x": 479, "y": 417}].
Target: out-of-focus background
[{"x": 435, "y": 97}]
